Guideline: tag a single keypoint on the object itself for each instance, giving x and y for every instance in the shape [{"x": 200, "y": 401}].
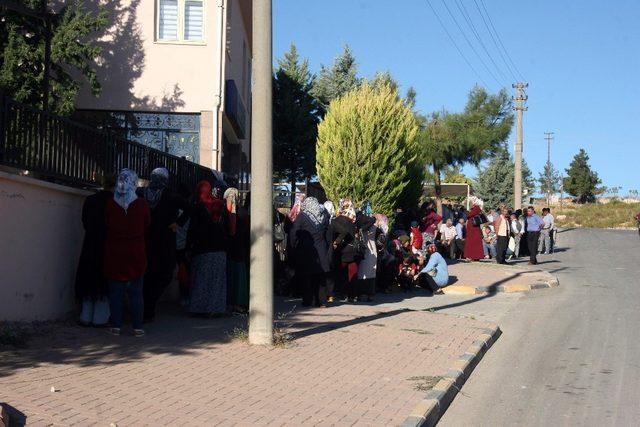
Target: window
[{"x": 180, "y": 20}]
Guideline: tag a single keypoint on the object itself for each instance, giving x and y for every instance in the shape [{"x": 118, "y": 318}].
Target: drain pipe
[{"x": 221, "y": 21}]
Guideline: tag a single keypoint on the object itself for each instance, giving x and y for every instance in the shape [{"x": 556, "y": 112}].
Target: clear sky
[{"x": 580, "y": 58}]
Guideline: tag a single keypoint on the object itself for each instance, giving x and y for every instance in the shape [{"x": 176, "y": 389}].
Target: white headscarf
[
  {"x": 331, "y": 210},
  {"x": 475, "y": 201},
  {"x": 159, "y": 181},
  {"x": 125, "y": 191}
]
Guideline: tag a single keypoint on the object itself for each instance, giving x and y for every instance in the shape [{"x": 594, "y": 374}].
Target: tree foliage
[
  {"x": 581, "y": 182},
  {"x": 22, "y": 47},
  {"x": 494, "y": 183},
  {"x": 336, "y": 81},
  {"x": 456, "y": 139},
  {"x": 295, "y": 119},
  {"x": 549, "y": 179},
  {"x": 365, "y": 144}
]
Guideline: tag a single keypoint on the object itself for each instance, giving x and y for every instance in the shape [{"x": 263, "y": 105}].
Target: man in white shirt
[
  {"x": 448, "y": 237},
  {"x": 548, "y": 221}
]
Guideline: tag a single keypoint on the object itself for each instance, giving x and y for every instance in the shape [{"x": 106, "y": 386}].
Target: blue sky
[{"x": 580, "y": 58}]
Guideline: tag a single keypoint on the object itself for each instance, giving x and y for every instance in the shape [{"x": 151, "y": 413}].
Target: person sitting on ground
[
  {"x": 416, "y": 238},
  {"x": 449, "y": 238},
  {"x": 435, "y": 275},
  {"x": 488, "y": 242},
  {"x": 406, "y": 273}
]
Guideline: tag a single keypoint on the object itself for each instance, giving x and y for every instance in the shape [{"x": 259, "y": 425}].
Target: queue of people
[{"x": 136, "y": 237}]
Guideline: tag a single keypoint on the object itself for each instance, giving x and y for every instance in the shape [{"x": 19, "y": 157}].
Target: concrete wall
[{"x": 41, "y": 238}]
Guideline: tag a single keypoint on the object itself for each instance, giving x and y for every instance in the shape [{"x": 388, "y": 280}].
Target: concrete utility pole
[
  {"x": 520, "y": 99},
  {"x": 549, "y": 137},
  {"x": 261, "y": 270}
]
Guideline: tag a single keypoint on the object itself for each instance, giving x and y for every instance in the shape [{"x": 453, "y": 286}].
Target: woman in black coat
[
  {"x": 343, "y": 235},
  {"x": 310, "y": 250},
  {"x": 168, "y": 211},
  {"x": 91, "y": 286}
]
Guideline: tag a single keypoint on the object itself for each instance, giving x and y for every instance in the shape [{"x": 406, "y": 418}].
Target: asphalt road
[{"x": 569, "y": 355}]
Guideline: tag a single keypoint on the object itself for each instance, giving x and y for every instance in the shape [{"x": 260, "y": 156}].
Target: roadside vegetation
[{"x": 615, "y": 214}]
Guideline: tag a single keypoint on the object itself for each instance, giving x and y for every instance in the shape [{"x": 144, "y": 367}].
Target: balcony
[{"x": 234, "y": 109}]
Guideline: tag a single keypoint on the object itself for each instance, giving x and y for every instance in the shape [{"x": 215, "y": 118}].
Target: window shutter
[
  {"x": 168, "y": 22},
  {"x": 193, "y": 20}
]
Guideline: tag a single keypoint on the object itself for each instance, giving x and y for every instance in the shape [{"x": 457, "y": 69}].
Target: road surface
[{"x": 569, "y": 355}]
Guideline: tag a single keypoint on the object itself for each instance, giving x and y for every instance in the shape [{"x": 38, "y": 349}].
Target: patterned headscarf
[
  {"x": 476, "y": 201},
  {"x": 159, "y": 181},
  {"x": 331, "y": 210},
  {"x": 382, "y": 222},
  {"x": 125, "y": 192},
  {"x": 432, "y": 249},
  {"x": 367, "y": 209},
  {"x": 312, "y": 208},
  {"x": 295, "y": 209},
  {"x": 347, "y": 209},
  {"x": 213, "y": 205},
  {"x": 231, "y": 196}
]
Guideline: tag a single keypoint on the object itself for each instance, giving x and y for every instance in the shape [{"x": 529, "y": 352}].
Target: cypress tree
[
  {"x": 581, "y": 182},
  {"x": 334, "y": 82},
  {"x": 365, "y": 144},
  {"x": 494, "y": 183}
]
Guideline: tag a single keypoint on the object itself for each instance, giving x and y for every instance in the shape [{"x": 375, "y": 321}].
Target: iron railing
[{"x": 61, "y": 150}]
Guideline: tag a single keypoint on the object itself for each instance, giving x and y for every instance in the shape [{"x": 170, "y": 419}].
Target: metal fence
[{"x": 71, "y": 153}]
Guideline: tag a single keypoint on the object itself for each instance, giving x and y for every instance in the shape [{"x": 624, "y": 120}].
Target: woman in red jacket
[
  {"x": 125, "y": 260},
  {"x": 473, "y": 242}
]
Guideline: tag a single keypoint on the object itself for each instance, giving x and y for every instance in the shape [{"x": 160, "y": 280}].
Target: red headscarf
[
  {"x": 214, "y": 206},
  {"x": 432, "y": 249}
]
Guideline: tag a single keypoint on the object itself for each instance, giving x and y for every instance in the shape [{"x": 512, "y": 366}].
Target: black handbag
[
  {"x": 359, "y": 246},
  {"x": 480, "y": 219}
]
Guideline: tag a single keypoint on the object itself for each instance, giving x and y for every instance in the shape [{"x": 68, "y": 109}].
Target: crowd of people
[{"x": 135, "y": 238}]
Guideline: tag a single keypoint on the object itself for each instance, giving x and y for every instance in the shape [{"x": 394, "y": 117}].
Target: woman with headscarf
[
  {"x": 238, "y": 255},
  {"x": 125, "y": 259},
  {"x": 386, "y": 262},
  {"x": 207, "y": 243},
  {"x": 367, "y": 268},
  {"x": 331, "y": 210},
  {"x": 435, "y": 275},
  {"x": 343, "y": 241},
  {"x": 169, "y": 211},
  {"x": 310, "y": 249},
  {"x": 91, "y": 286},
  {"x": 473, "y": 241}
]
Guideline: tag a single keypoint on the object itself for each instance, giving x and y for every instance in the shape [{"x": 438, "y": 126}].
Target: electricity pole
[
  {"x": 519, "y": 99},
  {"x": 549, "y": 137},
  {"x": 261, "y": 266}
]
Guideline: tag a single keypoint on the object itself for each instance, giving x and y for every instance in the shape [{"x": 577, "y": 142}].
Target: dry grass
[{"x": 611, "y": 215}]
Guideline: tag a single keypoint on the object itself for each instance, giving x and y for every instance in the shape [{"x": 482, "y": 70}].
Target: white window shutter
[
  {"x": 193, "y": 20},
  {"x": 168, "y": 20}
]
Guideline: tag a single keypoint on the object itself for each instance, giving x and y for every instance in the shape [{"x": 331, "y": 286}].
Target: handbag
[
  {"x": 359, "y": 246},
  {"x": 480, "y": 219},
  {"x": 278, "y": 231}
]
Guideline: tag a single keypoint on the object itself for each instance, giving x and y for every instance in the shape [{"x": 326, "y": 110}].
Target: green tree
[
  {"x": 494, "y": 183},
  {"x": 334, "y": 82},
  {"x": 295, "y": 119},
  {"x": 581, "y": 182},
  {"x": 365, "y": 142},
  {"x": 22, "y": 54},
  {"x": 549, "y": 181},
  {"x": 455, "y": 139}
]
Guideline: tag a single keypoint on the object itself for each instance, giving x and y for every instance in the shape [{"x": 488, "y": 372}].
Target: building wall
[
  {"x": 139, "y": 73},
  {"x": 41, "y": 241}
]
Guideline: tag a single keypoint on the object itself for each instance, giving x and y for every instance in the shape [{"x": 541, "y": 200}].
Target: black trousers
[
  {"x": 501, "y": 249},
  {"x": 460, "y": 247},
  {"x": 532, "y": 245},
  {"x": 156, "y": 280},
  {"x": 310, "y": 286}
]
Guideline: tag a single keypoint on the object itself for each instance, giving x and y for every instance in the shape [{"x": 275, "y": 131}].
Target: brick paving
[
  {"x": 346, "y": 365},
  {"x": 491, "y": 275}
]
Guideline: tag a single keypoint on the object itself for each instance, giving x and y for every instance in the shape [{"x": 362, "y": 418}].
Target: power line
[
  {"x": 500, "y": 40},
  {"x": 465, "y": 14},
  {"x": 495, "y": 42},
  {"x": 464, "y": 34},
  {"x": 453, "y": 41}
]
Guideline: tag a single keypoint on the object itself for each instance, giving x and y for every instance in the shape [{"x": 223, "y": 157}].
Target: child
[
  {"x": 406, "y": 272},
  {"x": 416, "y": 238}
]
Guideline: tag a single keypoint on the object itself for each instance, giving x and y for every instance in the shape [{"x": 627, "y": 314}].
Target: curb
[
  {"x": 429, "y": 410},
  {"x": 516, "y": 287},
  {"x": 4, "y": 417}
]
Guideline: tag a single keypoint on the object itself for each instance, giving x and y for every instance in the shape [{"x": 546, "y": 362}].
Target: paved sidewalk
[{"x": 346, "y": 365}]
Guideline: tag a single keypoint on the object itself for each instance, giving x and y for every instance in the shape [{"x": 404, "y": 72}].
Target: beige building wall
[
  {"x": 137, "y": 72},
  {"x": 41, "y": 241}
]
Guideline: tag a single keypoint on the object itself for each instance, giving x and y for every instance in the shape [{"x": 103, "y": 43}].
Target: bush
[
  {"x": 366, "y": 147},
  {"x": 615, "y": 214}
]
